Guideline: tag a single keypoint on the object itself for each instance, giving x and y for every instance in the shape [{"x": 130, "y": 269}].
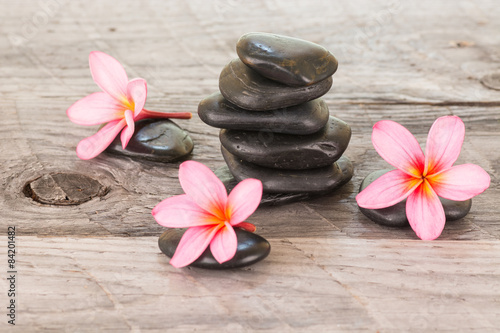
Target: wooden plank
[{"x": 324, "y": 284}]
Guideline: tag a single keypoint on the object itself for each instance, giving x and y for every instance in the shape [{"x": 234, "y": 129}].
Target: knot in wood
[{"x": 64, "y": 189}]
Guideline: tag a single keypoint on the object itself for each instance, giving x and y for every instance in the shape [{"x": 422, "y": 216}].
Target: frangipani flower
[
  {"x": 423, "y": 179},
  {"x": 208, "y": 212},
  {"x": 120, "y": 104}
]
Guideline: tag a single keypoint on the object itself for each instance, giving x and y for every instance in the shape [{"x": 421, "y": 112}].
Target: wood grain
[{"x": 97, "y": 267}]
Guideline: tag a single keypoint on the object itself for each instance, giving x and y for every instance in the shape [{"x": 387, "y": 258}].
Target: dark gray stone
[
  {"x": 249, "y": 90},
  {"x": 251, "y": 249},
  {"x": 306, "y": 118},
  {"x": 319, "y": 180},
  {"x": 395, "y": 216},
  {"x": 286, "y": 151},
  {"x": 156, "y": 140},
  {"x": 268, "y": 199},
  {"x": 292, "y": 61}
]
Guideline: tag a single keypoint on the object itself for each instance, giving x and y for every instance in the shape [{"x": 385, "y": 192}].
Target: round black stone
[
  {"x": 292, "y": 61},
  {"x": 156, "y": 140},
  {"x": 286, "y": 151},
  {"x": 319, "y": 180},
  {"x": 251, "y": 249},
  {"x": 395, "y": 216},
  {"x": 249, "y": 90},
  {"x": 306, "y": 118}
]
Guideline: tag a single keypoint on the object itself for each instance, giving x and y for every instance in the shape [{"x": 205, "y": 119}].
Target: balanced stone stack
[{"x": 275, "y": 126}]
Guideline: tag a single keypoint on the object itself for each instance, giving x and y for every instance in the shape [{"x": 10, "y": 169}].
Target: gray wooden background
[{"x": 96, "y": 267}]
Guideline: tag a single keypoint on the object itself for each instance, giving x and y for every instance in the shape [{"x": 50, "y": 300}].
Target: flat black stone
[
  {"x": 249, "y": 90},
  {"x": 395, "y": 216},
  {"x": 320, "y": 180},
  {"x": 286, "y": 151},
  {"x": 268, "y": 199},
  {"x": 292, "y": 61},
  {"x": 251, "y": 249},
  {"x": 306, "y": 118},
  {"x": 155, "y": 140}
]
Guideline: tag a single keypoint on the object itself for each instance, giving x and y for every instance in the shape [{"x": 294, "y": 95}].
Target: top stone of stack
[{"x": 288, "y": 60}]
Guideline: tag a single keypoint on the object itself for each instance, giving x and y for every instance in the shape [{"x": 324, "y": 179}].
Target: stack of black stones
[{"x": 275, "y": 126}]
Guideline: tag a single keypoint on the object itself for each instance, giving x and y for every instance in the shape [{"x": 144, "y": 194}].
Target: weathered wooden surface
[{"x": 97, "y": 267}]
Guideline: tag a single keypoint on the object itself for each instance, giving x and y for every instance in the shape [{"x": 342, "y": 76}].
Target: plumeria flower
[
  {"x": 208, "y": 212},
  {"x": 423, "y": 179},
  {"x": 120, "y": 105}
]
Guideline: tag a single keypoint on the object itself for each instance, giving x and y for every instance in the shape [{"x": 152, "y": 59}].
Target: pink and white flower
[
  {"x": 120, "y": 105},
  {"x": 208, "y": 212},
  {"x": 422, "y": 179}
]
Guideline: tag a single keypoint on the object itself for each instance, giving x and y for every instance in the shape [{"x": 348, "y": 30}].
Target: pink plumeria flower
[
  {"x": 208, "y": 212},
  {"x": 423, "y": 179},
  {"x": 120, "y": 105}
]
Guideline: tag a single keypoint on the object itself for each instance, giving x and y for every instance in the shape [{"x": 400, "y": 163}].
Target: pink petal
[
  {"x": 246, "y": 226},
  {"x": 137, "y": 92},
  {"x": 443, "y": 143},
  {"x": 425, "y": 212},
  {"x": 109, "y": 75},
  {"x": 398, "y": 147},
  {"x": 129, "y": 129},
  {"x": 181, "y": 212},
  {"x": 224, "y": 244},
  {"x": 95, "y": 109},
  {"x": 94, "y": 145},
  {"x": 460, "y": 182},
  {"x": 193, "y": 243},
  {"x": 203, "y": 187},
  {"x": 388, "y": 190},
  {"x": 244, "y": 200}
]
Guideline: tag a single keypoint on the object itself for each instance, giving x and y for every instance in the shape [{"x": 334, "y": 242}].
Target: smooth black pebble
[
  {"x": 306, "y": 118},
  {"x": 249, "y": 90},
  {"x": 395, "y": 216},
  {"x": 286, "y": 151},
  {"x": 251, "y": 249},
  {"x": 158, "y": 140},
  {"x": 292, "y": 61},
  {"x": 318, "y": 180}
]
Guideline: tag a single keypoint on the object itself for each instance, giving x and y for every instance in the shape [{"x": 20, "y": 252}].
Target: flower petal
[
  {"x": 193, "y": 243},
  {"x": 203, "y": 187},
  {"x": 388, "y": 190},
  {"x": 460, "y": 182},
  {"x": 444, "y": 143},
  {"x": 129, "y": 129},
  {"x": 95, "y": 109},
  {"x": 425, "y": 212},
  {"x": 246, "y": 226},
  {"x": 224, "y": 244},
  {"x": 398, "y": 147},
  {"x": 109, "y": 75},
  {"x": 244, "y": 200},
  {"x": 94, "y": 145},
  {"x": 181, "y": 212},
  {"x": 137, "y": 92}
]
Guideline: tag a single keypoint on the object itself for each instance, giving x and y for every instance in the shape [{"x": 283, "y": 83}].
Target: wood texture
[{"x": 97, "y": 267}]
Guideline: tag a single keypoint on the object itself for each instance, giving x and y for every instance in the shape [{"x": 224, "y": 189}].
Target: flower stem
[{"x": 155, "y": 114}]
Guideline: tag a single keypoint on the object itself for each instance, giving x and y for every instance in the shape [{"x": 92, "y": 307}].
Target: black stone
[
  {"x": 292, "y": 61},
  {"x": 251, "y": 249},
  {"x": 249, "y": 90},
  {"x": 395, "y": 216},
  {"x": 306, "y": 118},
  {"x": 319, "y": 180},
  {"x": 156, "y": 140},
  {"x": 286, "y": 151},
  {"x": 268, "y": 199}
]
